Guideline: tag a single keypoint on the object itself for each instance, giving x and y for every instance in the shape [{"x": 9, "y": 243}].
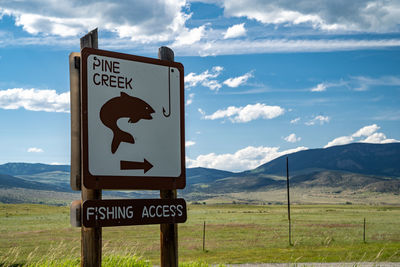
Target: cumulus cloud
[
  {"x": 130, "y": 24},
  {"x": 34, "y": 100},
  {"x": 189, "y": 37},
  {"x": 357, "y": 15},
  {"x": 243, "y": 159},
  {"x": 342, "y": 140},
  {"x": 366, "y": 131},
  {"x": 142, "y": 21},
  {"x": 206, "y": 79},
  {"x": 318, "y": 119},
  {"x": 378, "y": 138},
  {"x": 369, "y": 133},
  {"x": 237, "y": 81},
  {"x": 247, "y": 113},
  {"x": 35, "y": 150},
  {"x": 235, "y": 31},
  {"x": 292, "y": 138}
]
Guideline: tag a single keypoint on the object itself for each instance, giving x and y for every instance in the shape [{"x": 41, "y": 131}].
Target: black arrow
[{"x": 134, "y": 165}]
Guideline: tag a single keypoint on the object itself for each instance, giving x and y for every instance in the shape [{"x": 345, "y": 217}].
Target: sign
[
  {"x": 132, "y": 122},
  {"x": 103, "y": 213}
]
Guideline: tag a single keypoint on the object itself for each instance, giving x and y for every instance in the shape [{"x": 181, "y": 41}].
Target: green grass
[{"x": 234, "y": 234}]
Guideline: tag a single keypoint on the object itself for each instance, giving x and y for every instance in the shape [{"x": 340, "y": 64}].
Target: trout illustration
[{"x": 124, "y": 106}]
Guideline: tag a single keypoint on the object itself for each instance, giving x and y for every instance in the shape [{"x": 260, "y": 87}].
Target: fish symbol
[{"x": 124, "y": 106}]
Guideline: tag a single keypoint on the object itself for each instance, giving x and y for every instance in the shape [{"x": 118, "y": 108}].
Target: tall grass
[
  {"x": 61, "y": 256},
  {"x": 58, "y": 256},
  {"x": 39, "y": 234}
]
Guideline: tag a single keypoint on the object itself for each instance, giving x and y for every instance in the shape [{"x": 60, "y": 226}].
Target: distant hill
[
  {"x": 7, "y": 181},
  {"x": 348, "y": 171},
  {"x": 358, "y": 167},
  {"x": 205, "y": 175},
  {"x": 347, "y": 181},
  {"x": 31, "y": 168},
  {"x": 362, "y": 158}
]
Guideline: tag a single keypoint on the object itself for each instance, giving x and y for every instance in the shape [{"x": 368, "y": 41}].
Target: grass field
[{"x": 234, "y": 234}]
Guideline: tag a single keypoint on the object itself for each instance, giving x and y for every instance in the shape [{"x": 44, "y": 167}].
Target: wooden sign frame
[{"x": 128, "y": 182}]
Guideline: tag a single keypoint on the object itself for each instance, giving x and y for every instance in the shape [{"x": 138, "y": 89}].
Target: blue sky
[{"x": 262, "y": 78}]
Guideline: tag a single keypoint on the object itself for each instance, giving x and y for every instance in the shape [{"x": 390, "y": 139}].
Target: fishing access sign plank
[
  {"x": 119, "y": 212},
  {"x": 132, "y": 122}
]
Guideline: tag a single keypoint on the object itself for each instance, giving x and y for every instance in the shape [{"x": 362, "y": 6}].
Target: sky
[{"x": 262, "y": 78}]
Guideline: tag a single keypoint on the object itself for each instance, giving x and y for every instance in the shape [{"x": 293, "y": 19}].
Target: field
[{"x": 234, "y": 234}]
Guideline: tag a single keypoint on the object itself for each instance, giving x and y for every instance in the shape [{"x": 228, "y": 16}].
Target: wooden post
[
  {"x": 168, "y": 232},
  {"x": 75, "y": 99},
  {"x": 364, "y": 231},
  {"x": 288, "y": 200},
  {"x": 204, "y": 235},
  {"x": 91, "y": 240}
]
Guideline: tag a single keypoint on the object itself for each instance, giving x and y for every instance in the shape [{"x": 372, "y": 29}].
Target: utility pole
[
  {"x": 288, "y": 201},
  {"x": 204, "y": 236}
]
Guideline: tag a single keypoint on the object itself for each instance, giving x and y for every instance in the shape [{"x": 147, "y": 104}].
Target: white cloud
[
  {"x": 212, "y": 47},
  {"x": 319, "y": 88},
  {"x": 363, "y": 83},
  {"x": 206, "y": 78},
  {"x": 370, "y": 134},
  {"x": 189, "y": 37},
  {"x": 212, "y": 84},
  {"x": 243, "y": 159},
  {"x": 318, "y": 119},
  {"x": 359, "y": 83},
  {"x": 235, "y": 31},
  {"x": 378, "y": 138},
  {"x": 247, "y": 113},
  {"x": 189, "y": 100},
  {"x": 237, "y": 81},
  {"x": 356, "y": 15},
  {"x": 189, "y": 143},
  {"x": 294, "y": 121},
  {"x": 35, "y": 150},
  {"x": 367, "y": 130},
  {"x": 202, "y": 112},
  {"x": 275, "y": 45},
  {"x": 343, "y": 140},
  {"x": 292, "y": 138},
  {"x": 34, "y": 100},
  {"x": 141, "y": 21},
  {"x": 130, "y": 24}
]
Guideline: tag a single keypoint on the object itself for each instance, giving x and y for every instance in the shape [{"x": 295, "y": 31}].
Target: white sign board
[{"x": 132, "y": 121}]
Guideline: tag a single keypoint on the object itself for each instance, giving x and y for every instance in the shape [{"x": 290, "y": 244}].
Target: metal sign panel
[
  {"x": 132, "y": 122},
  {"x": 103, "y": 213}
]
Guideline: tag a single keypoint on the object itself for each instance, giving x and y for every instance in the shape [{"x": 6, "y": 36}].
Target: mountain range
[{"x": 338, "y": 172}]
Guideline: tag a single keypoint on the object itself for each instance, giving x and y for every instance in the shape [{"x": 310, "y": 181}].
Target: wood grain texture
[
  {"x": 91, "y": 238},
  {"x": 168, "y": 232}
]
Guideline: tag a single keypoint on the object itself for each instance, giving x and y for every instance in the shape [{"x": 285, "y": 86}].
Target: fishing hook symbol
[{"x": 169, "y": 95}]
